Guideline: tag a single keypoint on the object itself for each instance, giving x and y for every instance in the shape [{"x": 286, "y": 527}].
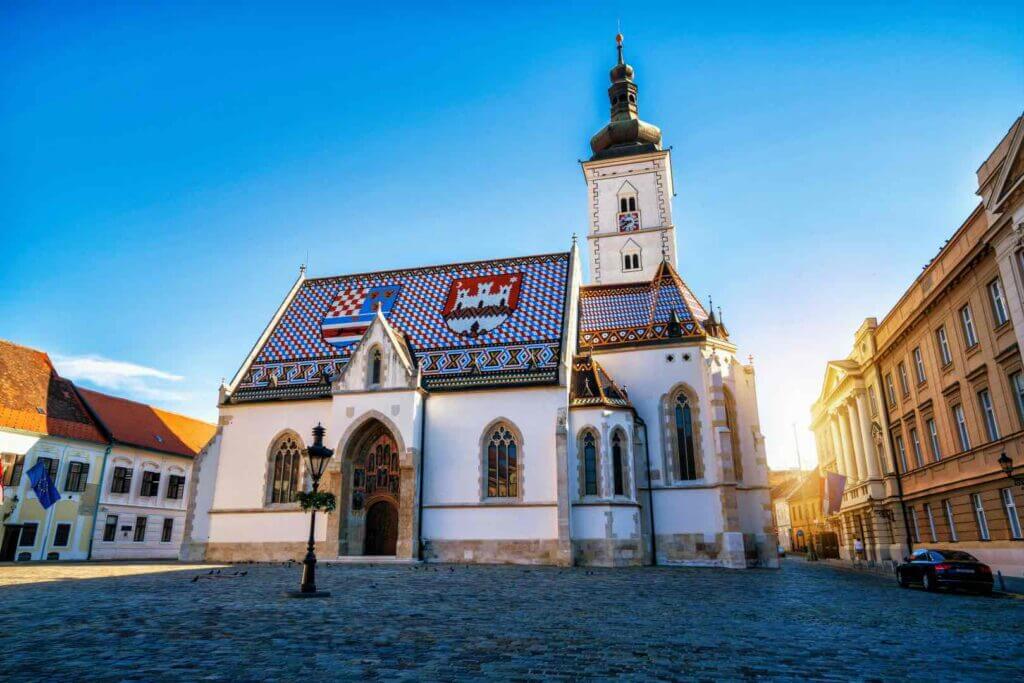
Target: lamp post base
[{"x": 309, "y": 594}]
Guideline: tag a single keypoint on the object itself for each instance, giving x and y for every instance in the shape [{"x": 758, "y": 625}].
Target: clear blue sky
[{"x": 164, "y": 170}]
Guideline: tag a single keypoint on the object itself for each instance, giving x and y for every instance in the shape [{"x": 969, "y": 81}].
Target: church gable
[
  {"x": 484, "y": 323},
  {"x": 381, "y": 360}
]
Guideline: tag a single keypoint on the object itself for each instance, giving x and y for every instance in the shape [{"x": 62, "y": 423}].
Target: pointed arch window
[
  {"x": 375, "y": 365},
  {"x": 287, "y": 456},
  {"x": 686, "y": 453},
  {"x": 618, "y": 464},
  {"x": 589, "y": 464},
  {"x": 502, "y": 463}
]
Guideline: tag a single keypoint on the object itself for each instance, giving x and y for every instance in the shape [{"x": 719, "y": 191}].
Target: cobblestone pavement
[{"x": 440, "y": 622}]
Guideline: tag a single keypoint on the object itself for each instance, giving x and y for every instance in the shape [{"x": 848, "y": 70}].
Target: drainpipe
[
  {"x": 650, "y": 495},
  {"x": 423, "y": 460},
  {"x": 99, "y": 494}
]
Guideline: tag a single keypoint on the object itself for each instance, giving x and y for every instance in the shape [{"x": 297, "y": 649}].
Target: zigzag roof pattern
[
  {"x": 483, "y": 323},
  {"x": 631, "y": 314},
  {"x": 592, "y": 386}
]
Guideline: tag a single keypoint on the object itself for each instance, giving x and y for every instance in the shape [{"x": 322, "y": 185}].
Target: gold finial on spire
[{"x": 618, "y": 44}]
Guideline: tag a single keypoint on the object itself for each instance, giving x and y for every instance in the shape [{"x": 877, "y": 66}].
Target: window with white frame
[
  {"x": 1010, "y": 508},
  {"x": 995, "y": 293},
  {"x": 944, "y": 351},
  {"x": 904, "y": 384},
  {"x": 902, "y": 451},
  {"x": 916, "y": 444},
  {"x": 967, "y": 323},
  {"x": 979, "y": 516},
  {"x": 77, "y": 476},
  {"x": 913, "y": 526},
  {"x": 1017, "y": 389},
  {"x": 890, "y": 389},
  {"x": 988, "y": 412},
  {"x": 140, "y": 530},
  {"x": 931, "y": 521},
  {"x": 933, "y": 437},
  {"x": 961, "y": 427},
  {"x": 110, "y": 528},
  {"x": 919, "y": 365},
  {"x": 947, "y": 506}
]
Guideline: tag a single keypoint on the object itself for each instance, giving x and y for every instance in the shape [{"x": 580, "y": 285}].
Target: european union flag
[{"x": 46, "y": 492}]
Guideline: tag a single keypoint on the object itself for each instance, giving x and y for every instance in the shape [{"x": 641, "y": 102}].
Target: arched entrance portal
[
  {"x": 370, "y": 493},
  {"x": 381, "y": 529}
]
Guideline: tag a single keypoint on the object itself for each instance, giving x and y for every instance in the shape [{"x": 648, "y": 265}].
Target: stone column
[
  {"x": 853, "y": 417},
  {"x": 847, "y": 446},
  {"x": 564, "y": 557},
  {"x": 870, "y": 455},
  {"x": 837, "y": 451}
]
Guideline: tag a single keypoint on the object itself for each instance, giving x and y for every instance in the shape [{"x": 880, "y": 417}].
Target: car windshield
[{"x": 957, "y": 556}]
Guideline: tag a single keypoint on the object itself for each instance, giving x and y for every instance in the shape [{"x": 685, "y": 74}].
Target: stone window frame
[
  {"x": 669, "y": 446},
  {"x": 627, "y": 460},
  {"x": 377, "y": 347},
  {"x": 268, "y": 471},
  {"x": 581, "y": 465},
  {"x": 485, "y": 438}
]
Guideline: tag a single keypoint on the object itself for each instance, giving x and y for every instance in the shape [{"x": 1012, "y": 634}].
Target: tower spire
[
  {"x": 618, "y": 44},
  {"x": 625, "y": 133}
]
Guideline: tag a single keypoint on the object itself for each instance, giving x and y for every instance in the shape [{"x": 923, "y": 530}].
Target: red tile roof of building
[
  {"x": 34, "y": 398},
  {"x": 145, "y": 426}
]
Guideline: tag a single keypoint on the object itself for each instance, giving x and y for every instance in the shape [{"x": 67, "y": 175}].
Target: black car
[{"x": 945, "y": 569}]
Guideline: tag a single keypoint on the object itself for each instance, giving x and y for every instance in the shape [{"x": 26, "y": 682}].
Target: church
[{"x": 502, "y": 411}]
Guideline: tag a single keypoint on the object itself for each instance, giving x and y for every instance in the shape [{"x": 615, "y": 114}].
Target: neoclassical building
[{"x": 503, "y": 410}]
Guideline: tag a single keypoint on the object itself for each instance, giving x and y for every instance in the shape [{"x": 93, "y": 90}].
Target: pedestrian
[{"x": 858, "y": 549}]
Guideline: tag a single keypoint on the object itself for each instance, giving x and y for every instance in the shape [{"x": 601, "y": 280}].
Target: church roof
[
  {"x": 484, "y": 323},
  {"x": 637, "y": 313},
  {"x": 591, "y": 385}
]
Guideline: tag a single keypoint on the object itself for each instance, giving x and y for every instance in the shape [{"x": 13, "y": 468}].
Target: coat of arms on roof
[
  {"x": 353, "y": 310},
  {"x": 476, "y": 305}
]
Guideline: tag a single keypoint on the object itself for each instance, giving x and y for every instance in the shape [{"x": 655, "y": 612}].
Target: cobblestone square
[{"x": 159, "y": 622}]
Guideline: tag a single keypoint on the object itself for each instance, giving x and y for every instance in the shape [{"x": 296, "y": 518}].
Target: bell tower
[{"x": 629, "y": 190}]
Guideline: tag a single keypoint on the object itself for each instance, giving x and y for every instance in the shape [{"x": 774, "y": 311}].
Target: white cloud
[{"x": 126, "y": 379}]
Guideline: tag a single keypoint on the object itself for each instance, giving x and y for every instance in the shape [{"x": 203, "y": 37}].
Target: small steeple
[{"x": 625, "y": 133}]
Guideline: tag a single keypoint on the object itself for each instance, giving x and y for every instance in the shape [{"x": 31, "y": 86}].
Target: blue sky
[{"x": 164, "y": 170}]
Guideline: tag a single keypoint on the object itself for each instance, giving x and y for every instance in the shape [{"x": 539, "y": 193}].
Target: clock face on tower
[{"x": 629, "y": 221}]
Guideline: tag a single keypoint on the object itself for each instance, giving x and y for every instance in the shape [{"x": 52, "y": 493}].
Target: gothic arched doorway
[
  {"x": 370, "y": 493},
  {"x": 381, "y": 529}
]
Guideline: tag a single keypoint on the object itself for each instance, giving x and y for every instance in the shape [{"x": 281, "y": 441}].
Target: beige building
[
  {"x": 849, "y": 433},
  {"x": 925, "y": 417}
]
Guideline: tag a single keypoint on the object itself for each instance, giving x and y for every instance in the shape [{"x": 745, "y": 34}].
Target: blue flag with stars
[{"x": 46, "y": 492}]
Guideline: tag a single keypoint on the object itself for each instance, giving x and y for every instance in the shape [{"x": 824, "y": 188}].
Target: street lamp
[{"x": 318, "y": 456}]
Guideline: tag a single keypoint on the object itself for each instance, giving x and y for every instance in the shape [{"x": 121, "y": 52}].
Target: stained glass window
[
  {"x": 618, "y": 475},
  {"x": 502, "y": 464},
  {"x": 589, "y": 465},
  {"x": 684, "y": 439},
  {"x": 287, "y": 456}
]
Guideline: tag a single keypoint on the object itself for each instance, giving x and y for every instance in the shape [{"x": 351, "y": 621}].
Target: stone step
[{"x": 368, "y": 559}]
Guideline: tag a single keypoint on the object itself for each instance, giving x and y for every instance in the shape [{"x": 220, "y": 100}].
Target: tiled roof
[
  {"x": 516, "y": 338},
  {"x": 632, "y": 314},
  {"x": 138, "y": 424},
  {"x": 591, "y": 385},
  {"x": 34, "y": 398}
]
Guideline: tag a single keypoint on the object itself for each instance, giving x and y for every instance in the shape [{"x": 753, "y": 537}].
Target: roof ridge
[
  {"x": 413, "y": 269},
  {"x": 140, "y": 403}
]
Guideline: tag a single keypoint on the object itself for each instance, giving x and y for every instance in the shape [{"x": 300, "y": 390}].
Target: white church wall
[
  {"x": 495, "y": 523},
  {"x": 290, "y": 526},
  {"x": 201, "y": 490},
  {"x": 687, "y": 511}
]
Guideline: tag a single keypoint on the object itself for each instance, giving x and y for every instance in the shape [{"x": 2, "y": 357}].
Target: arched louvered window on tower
[
  {"x": 502, "y": 462},
  {"x": 685, "y": 447},
  {"x": 589, "y": 444},
  {"x": 286, "y": 459}
]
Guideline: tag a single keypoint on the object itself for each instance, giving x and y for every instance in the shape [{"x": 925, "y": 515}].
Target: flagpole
[{"x": 49, "y": 513}]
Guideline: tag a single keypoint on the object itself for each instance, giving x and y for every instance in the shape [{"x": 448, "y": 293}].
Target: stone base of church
[
  {"x": 266, "y": 552},
  {"x": 702, "y": 550},
  {"x": 604, "y": 552},
  {"x": 505, "y": 551},
  {"x": 193, "y": 552}
]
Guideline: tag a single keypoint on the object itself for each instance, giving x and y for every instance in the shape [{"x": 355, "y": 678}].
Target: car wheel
[
  {"x": 902, "y": 581},
  {"x": 929, "y": 583}
]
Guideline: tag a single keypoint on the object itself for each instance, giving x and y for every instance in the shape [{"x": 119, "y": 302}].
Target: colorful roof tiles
[
  {"x": 145, "y": 426},
  {"x": 483, "y": 323},
  {"x": 34, "y": 398},
  {"x": 591, "y": 385},
  {"x": 630, "y": 314}
]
